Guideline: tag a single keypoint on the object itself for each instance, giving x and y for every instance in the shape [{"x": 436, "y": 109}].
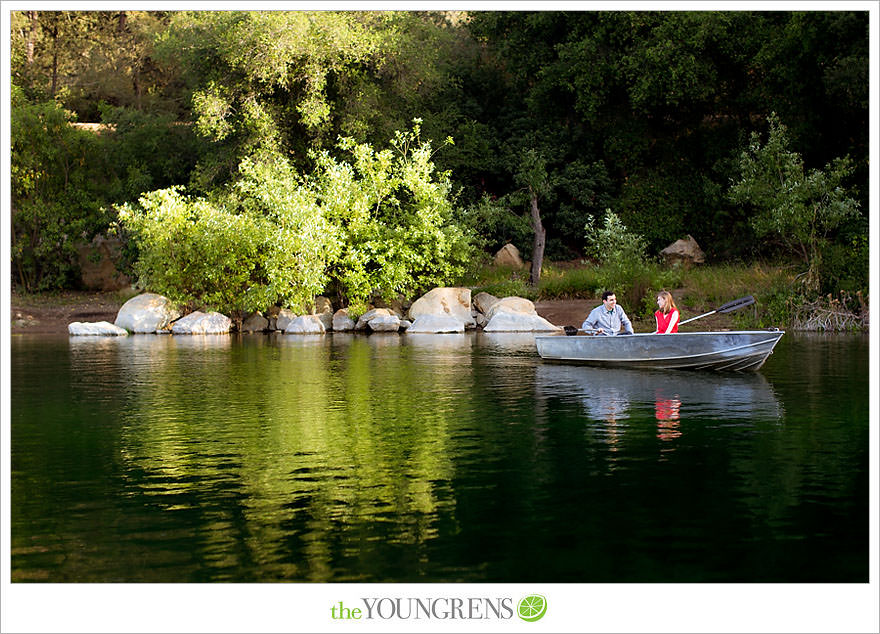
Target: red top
[{"x": 667, "y": 323}]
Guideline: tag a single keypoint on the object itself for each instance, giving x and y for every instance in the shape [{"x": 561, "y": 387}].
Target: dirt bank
[{"x": 47, "y": 314}]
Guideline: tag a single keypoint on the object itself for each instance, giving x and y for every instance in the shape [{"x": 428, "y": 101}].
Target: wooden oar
[{"x": 736, "y": 304}]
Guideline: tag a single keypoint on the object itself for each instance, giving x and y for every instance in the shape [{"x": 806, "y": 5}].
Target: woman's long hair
[{"x": 668, "y": 302}]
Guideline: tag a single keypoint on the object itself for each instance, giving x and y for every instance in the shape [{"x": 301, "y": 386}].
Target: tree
[{"x": 800, "y": 207}]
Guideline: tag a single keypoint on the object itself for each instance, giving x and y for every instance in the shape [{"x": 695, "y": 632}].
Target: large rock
[
  {"x": 255, "y": 323},
  {"x": 199, "y": 323},
  {"x": 508, "y": 255},
  {"x": 483, "y": 302},
  {"x": 283, "y": 318},
  {"x": 147, "y": 312},
  {"x": 435, "y": 324},
  {"x": 323, "y": 308},
  {"x": 444, "y": 301},
  {"x": 686, "y": 250},
  {"x": 384, "y": 323},
  {"x": 306, "y": 325},
  {"x": 364, "y": 320},
  {"x": 519, "y": 322},
  {"x": 511, "y": 305},
  {"x": 342, "y": 322},
  {"x": 104, "y": 328}
]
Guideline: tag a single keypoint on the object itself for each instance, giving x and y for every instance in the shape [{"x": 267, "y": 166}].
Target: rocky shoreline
[{"x": 440, "y": 310}]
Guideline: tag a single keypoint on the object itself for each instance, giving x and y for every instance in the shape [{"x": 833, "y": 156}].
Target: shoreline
[{"x": 50, "y": 314}]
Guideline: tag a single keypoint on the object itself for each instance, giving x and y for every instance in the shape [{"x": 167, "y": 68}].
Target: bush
[
  {"x": 381, "y": 225},
  {"x": 226, "y": 255}
]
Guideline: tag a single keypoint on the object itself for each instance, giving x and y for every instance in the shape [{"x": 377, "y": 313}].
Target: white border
[{"x": 572, "y": 607}]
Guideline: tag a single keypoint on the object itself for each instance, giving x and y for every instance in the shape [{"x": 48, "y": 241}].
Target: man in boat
[{"x": 608, "y": 318}]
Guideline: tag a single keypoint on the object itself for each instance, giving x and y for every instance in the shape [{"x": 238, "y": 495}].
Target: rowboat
[{"x": 743, "y": 350}]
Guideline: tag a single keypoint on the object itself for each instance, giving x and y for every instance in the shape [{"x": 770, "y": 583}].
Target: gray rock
[
  {"x": 686, "y": 250},
  {"x": 255, "y": 323},
  {"x": 519, "y": 322},
  {"x": 384, "y": 323},
  {"x": 483, "y": 302},
  {"x": 147, "y": 312},
  {"x": 305, "y": 325},
  {"x": 199, "y": 323},
  {"x": 508, "y": 255},
  {"x": 435, "y": 324},
  {"x": 104, "y": 328},
  {"x": 364, "y": 320},
  {"x": 405, "y": 324},
  {"x": 342, "y": 322},
  {"x": 283, "y": 319}
]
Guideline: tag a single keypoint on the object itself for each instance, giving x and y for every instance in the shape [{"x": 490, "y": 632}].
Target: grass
[{"x": 696, "y": 289}]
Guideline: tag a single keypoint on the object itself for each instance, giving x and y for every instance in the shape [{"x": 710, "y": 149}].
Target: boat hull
[{"x": 739, "y": 351}]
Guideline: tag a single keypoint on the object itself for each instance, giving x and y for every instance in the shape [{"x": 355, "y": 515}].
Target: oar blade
[{"x": 736, "y": 304}]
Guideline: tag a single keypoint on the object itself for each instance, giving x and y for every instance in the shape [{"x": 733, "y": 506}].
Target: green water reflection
[{"x": 426, "y": 458}]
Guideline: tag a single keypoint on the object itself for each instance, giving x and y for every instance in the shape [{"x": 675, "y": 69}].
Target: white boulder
[
  {"x": 104, "y": 328},
  {"x": 444, "y": 301},
  {"x": 384, "y": 323},
  {"x": 146, "y": 312},
  {"x": 306, "y": 325},
  {"x": 519, "y": 322},
  {"x": 199, "y": 323},
  {"x": 511, "y": 305},
  {"x": 435, "y": 324}
]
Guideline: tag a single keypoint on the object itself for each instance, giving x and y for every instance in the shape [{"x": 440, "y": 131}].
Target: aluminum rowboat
[{"x": 743, "y": 350}]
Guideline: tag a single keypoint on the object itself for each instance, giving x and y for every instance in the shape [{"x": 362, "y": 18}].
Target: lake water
[{"x": 431, "y": 458}]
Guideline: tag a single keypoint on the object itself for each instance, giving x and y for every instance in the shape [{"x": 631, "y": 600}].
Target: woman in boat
[{"x": 668, "y": 315}]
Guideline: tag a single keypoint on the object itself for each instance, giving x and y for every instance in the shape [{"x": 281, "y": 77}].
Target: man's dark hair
[{"x": 607, "y": 294}]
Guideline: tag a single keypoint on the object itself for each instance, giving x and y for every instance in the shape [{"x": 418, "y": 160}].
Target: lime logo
[{"x": 532, "y": 608}]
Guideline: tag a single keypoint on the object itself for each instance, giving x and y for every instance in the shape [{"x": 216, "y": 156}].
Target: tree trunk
[
  {"x": 54, "y": 60},
  {"x": 32, "y": 26},
  {"x": 540, "y": 239}
]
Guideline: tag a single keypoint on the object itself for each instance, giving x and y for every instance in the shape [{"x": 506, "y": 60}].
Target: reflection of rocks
[
  {"x": 199, "y": 323},
  {"x": 100, "y": 328},
  {"x": 147, "y": 312}
]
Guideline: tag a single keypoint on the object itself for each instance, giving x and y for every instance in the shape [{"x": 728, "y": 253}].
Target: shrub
[{"x": 225, "y": 254}]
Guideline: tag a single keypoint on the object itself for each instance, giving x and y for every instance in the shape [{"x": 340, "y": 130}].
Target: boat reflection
[{"x": 608, "y": 394}]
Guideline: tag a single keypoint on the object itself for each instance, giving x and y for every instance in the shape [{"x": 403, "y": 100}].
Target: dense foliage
[
  {"x": 642, "y": 112},
  {"x": 377, "y": 225}
]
